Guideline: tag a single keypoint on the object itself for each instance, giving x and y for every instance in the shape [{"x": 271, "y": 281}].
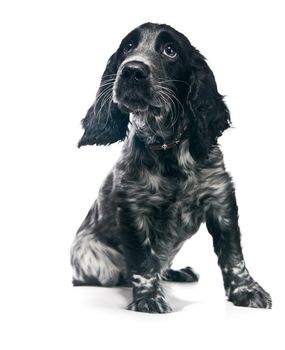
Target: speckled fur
[{"x": 153, "y": 201}]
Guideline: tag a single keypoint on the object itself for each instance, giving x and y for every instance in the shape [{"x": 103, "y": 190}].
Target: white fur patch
[
  {"x": 143, "y": 282},
  {"x": 185, "y": 159},
  {"x": 92, "y": 258},
  {"x": 239, "y": 268}
]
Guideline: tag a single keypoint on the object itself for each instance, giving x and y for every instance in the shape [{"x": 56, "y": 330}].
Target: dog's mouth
[{"x": 134, "y": 100}]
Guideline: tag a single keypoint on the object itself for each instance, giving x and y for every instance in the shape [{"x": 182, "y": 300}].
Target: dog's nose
[{"x": 135, "y": 70}]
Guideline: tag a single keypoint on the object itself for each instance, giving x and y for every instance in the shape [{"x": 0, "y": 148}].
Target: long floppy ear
[
  {"x": 209, "y": 115},
  {"x": 104, "y": 123}
]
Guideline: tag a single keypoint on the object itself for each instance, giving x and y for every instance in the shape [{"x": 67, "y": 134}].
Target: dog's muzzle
[{"x": 133, "y": 86}]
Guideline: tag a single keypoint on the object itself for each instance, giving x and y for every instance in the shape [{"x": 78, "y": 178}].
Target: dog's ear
[
  {"x": 209, "y": 115},
  {"x": 104, "y": 123}
]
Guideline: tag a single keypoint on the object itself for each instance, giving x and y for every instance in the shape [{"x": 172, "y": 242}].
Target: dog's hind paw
[
  {"x": 155, "y": 304},
  {"x": 250, "y": 296},
  {"x": 186, "y": 274}
]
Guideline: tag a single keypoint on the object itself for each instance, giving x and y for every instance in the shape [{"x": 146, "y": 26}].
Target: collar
[{"x": 166, "y": 146}]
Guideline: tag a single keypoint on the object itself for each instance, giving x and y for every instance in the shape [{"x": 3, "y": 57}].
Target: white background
[{"x": 52, "y": 56}]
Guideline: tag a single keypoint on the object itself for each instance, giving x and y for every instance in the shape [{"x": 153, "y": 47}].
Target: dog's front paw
[
  {"x": 250, "y": 295},
  {"x": 155, "y": 304}
]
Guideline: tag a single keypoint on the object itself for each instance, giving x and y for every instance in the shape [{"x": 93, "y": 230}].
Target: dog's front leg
[
  {"x": 222, "y": 223},
  {"x": 142, "y": 263}
]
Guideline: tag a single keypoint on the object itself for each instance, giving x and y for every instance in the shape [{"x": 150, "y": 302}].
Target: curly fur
[{"x": 154, "y": 86}]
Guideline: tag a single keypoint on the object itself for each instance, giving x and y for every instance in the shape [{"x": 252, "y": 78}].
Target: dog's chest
[
  {"x": 176, "y": 196},
  {"x": 186, "y": 210},
  {"x": 177, "y": 215}
]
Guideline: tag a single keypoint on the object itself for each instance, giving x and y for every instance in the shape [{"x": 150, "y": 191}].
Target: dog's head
[{"x": 157, "y": 72}]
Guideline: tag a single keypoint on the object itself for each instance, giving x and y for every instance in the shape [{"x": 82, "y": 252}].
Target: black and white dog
[{"x": 159, "y": 95}]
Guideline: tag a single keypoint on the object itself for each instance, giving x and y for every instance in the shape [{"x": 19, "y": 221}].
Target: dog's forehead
[
  {"x": 149, "y": 33},
  {"x": 148, "y": 36}
]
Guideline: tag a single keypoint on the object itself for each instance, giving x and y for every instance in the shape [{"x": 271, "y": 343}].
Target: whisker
[
  {"x": 109, "y": 75},
  {"x": 103, "y": 91},
  {"x": 169, "y": 103},
  {"x": 174, "y": 112},
  {"x": 103, "y": 98},
  {"x": 173, "y": 81},
  {"x": 172, "y": 96},
  {"x": 107, "y": 83},
  {"x": 151, "y": 129},
  {"x": 108, "y": 112}
]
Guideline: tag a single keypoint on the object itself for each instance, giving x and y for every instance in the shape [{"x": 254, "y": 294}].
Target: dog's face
[
  {"x": 156, "y": 73},
  {"x": 151, "y": 69}
]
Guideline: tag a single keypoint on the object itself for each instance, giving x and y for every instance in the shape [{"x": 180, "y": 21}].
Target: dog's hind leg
[
  {"x": 95, "y": 263},
  {"x": 186, "y": 274}
]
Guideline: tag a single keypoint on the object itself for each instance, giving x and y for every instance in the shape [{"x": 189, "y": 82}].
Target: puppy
[{"x": 159, "y": 95}]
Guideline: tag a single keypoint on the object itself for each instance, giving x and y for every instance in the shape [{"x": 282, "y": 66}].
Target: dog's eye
[
  {"x": 128, "y": 47},
  {"x": 170, "y": 51}
]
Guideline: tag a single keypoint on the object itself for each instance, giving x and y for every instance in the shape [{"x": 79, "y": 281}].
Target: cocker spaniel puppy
[{"x": 159, "y": 95}]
